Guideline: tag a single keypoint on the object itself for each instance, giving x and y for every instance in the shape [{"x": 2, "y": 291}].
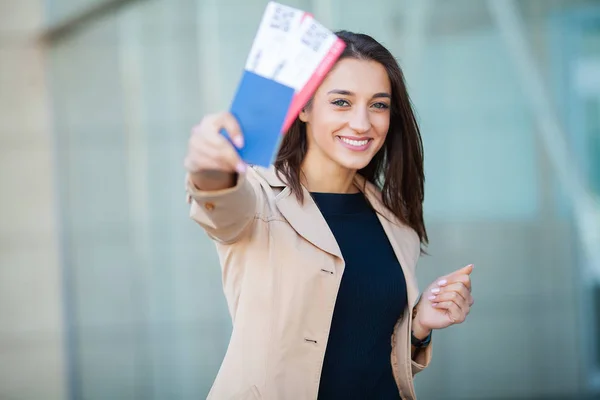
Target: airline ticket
[{"x": 290, "y": 56}]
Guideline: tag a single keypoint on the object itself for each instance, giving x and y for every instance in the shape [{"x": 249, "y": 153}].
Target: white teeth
[{"x": 356, "y": 143}]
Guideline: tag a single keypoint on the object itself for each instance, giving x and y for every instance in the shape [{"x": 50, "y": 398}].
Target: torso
[
  {"x": 371, "y": 299},
  {"x": 281, "y": 279}
]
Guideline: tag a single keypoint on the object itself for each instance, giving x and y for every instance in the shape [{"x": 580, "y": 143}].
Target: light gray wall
[{"x": 31, "y": 330}]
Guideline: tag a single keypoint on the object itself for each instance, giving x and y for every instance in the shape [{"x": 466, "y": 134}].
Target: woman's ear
[{"x": 303, "y": 116}]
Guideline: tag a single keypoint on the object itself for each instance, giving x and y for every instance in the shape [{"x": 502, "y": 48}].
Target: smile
[{"x": 355, "y": 144}]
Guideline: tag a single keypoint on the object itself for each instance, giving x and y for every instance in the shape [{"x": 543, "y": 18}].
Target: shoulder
[
  {"x": 266, "y": 180},
  {"x": 266, "y": 176},
  {"x": 267, "y": 186}
]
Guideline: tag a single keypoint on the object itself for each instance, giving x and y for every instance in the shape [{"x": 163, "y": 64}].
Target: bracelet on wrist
[{"x": 420, "y": 343}]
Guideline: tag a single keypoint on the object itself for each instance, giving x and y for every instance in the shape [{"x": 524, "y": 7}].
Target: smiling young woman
[{"x": 318, "y": 252}]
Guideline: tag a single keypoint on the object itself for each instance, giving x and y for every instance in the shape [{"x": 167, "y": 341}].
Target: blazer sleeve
[
  {"x": 422, "y": 360},
  {"x": 423, "y": 357},
  {"x": 226, "y": 215}
]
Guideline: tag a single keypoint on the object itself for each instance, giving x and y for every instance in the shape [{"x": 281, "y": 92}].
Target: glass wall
[
  {"x": 146, "y": 315},
  {"x": 577, "y": 72}
]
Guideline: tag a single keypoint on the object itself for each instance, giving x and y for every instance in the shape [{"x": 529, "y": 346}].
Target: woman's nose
[{"x": 359, "y": 121}]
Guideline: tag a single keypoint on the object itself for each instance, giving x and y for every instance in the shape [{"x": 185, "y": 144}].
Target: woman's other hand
[{"x": 447, "y": 301}]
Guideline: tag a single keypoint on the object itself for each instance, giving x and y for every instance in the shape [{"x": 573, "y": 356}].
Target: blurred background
[{"x": 109, "y": 291}]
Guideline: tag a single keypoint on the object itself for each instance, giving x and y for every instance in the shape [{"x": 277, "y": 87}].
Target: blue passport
[{"x": 260, "y": 105}]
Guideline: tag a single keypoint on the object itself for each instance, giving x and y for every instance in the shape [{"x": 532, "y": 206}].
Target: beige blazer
[{"x": 281, "y": 271}]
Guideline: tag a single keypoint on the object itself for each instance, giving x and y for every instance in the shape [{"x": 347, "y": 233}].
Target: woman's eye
[
  {"x": 381, "y": 106},
  {"x": 340, "y": 103}
]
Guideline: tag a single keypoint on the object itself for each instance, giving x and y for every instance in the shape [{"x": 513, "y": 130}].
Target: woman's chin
[{"x": 354, "y": 163}]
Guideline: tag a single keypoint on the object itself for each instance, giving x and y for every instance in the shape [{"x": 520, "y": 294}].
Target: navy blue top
[{"x": 371, "y": 299}]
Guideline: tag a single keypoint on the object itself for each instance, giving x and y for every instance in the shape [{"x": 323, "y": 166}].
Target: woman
[{"x": 318, "y": 253}]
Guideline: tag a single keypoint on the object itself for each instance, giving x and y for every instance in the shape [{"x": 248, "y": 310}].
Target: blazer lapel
[{"x": 306, "y": 218}]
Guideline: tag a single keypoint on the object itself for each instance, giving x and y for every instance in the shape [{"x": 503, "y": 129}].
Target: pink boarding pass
[{"x": 312, "y": 52}]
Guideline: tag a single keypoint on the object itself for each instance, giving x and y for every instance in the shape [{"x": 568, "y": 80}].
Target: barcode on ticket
[
  {"x": 282, "y": 18},
  {"x": 308, "y": 45},
  {"x": 314, "y": 36}
]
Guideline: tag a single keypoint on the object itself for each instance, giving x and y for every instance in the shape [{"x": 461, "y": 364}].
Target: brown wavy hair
[{"x": 397, "y": 168}]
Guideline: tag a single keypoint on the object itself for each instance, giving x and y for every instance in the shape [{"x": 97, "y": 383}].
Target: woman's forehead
[{"x": 357, "y": 76}]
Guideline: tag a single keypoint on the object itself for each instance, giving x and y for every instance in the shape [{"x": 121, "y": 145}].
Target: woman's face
[{"x": 349, "y": 117}]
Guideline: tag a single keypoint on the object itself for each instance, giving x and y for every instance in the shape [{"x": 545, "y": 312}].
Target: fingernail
[
  {"x": 434, "y": 304},
  {"x": 435, "y": 290},
  {"x": 238, "y": 142},
  {"x": 431, "y": 297},
  {"x": 240, "y": 168},
  {"x": 442, "y": 282}
]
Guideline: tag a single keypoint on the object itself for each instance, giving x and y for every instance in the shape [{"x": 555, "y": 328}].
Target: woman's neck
[{"x": 327, "y": 176}]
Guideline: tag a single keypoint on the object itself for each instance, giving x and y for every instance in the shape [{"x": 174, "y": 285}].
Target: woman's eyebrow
[
  {"x": 349, "y": 93},
  {"x": 382, "y": 94},
  {"x": 340, "y": 91}
]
